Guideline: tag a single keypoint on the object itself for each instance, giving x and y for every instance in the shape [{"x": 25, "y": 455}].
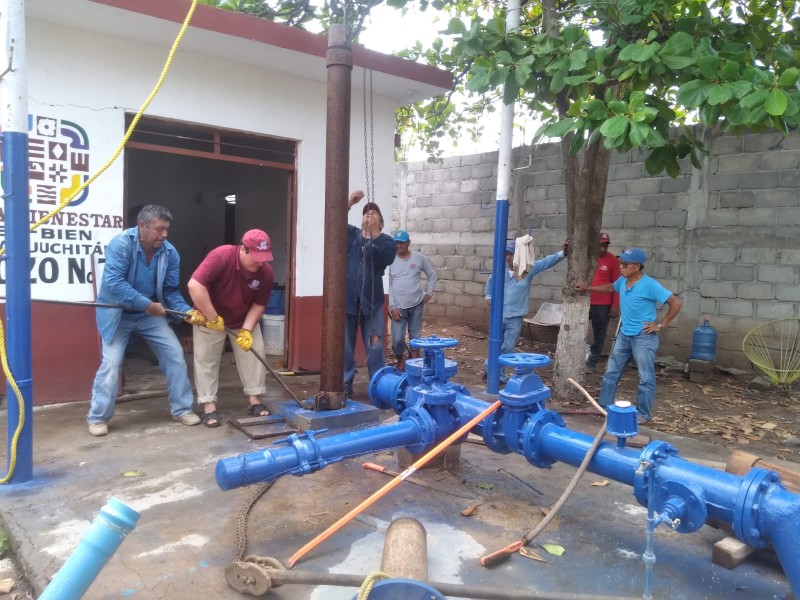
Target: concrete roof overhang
[{"x": 242, "y": 39}]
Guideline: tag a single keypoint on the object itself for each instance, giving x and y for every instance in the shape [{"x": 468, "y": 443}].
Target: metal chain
[{"x": 241, "y": 521}]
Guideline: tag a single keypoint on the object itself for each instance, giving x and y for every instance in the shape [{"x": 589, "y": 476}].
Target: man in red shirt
[
  {"x": 232, "y": 286},
  {"x": 603, "y": 306}
]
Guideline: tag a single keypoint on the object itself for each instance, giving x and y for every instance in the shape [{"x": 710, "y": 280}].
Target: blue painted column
[{"x": 14, "y": 102}]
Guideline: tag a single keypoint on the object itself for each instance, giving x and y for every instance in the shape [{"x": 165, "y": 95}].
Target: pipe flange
[
  {"x": 427, "y": 428},
  {"x": 492, "y": 435},
  {"x": 695, "y": 512},
  {"x": 387, "y": 387},
  {"x": 652, "y": 453},
  {"x": 746, "y": 512},
  {"x": 531, "y": 439}
]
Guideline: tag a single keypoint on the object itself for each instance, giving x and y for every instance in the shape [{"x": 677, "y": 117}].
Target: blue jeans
[
  {"x": 372, "y": 333},
  {"x": 599, "y": 316},
  {"x": 511, "y": 328},
  {"x": 164, "y": 343},
  {"x": 643, "y": 349},
  {"x": 411, "y": 317}
]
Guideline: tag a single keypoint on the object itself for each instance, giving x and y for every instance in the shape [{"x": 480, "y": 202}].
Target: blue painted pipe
[
  {"x": 97, "y": 546},
  {"x": 498, "y": 295},
  {"x": 18, "y": 298},
  {"x": 677, "y": 492}
]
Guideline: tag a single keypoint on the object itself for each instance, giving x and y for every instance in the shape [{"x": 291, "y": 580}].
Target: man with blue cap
[
  {"x": 638, "y": 337},
  {"x": 516, "y": 296},
  {"x": 406, "y": 297}
]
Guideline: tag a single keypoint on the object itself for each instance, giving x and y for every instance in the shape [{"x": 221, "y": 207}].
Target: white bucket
[{"x": 272, "y": 330}]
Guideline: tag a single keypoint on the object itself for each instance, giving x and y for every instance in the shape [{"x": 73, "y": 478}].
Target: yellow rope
[
  {"x": 62, "y": 205},
  {"x": 369, "y": 583}
]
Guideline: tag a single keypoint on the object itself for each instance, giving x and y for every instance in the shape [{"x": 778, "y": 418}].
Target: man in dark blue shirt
[{"x": 369, "y": 252}]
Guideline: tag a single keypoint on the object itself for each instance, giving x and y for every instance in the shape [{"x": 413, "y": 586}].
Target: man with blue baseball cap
[
  {"x": 516, "y": 296},
  {"x": 639, "y": 296},
  {"x": 406, "y": 297}
]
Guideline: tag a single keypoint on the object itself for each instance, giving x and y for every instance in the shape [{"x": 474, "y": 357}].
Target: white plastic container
[{"x": 272, "y": 330}]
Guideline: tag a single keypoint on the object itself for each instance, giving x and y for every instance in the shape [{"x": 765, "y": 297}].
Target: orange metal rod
[{"x": 424, "y": 460}]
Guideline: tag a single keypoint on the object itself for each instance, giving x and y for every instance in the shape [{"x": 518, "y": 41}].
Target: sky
[{"x": 383, "y": 34}]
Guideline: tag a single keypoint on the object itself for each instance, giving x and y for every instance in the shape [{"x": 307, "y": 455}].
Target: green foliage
[
  {"x": 628, "y": 72},
  {"x": 5, "y": 544}
]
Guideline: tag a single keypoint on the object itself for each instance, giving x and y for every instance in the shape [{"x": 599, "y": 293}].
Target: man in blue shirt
[
  {"x": 638, "y": 337},
  {"x": 369, "y": 252},
  {"x": 141, "y": 275},
  {"x": 516, "y": 298}
]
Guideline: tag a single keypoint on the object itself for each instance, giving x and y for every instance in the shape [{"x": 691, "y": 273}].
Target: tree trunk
[{"x": 585, "y": 178}]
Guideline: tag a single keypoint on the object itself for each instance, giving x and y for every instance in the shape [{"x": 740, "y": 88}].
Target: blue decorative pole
[
  {"x": 97, "y": 546},
  {"x": 501, "y": 225},
  {"x": 14, "y": 103}
]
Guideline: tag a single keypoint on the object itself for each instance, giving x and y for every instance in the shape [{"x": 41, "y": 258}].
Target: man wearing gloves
[
  {"x": 406, "y": 297},
  {"x": 231, "y": 287},
  {"x": 517, "y": 296},
  {"x": 141, "y": 274}
]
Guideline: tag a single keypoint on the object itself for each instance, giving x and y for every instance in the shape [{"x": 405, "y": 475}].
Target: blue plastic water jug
[{"x": 704, "y": 342}]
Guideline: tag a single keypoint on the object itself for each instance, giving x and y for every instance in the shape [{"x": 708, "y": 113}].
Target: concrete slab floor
[{"x": 187, "y": 532}]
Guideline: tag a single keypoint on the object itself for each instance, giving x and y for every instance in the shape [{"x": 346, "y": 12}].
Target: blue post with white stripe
[{"x": 14, "y": 100}]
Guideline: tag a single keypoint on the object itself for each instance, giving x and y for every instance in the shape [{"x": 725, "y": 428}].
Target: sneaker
[
  {"x": 642, "y": 420},
  {"x": 98, "y": 429},
  {"x": 589, "y": 368},
  {"x": 188, "y": 418}
]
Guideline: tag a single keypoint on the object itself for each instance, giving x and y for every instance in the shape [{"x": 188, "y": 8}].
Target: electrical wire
[{"x": 12, "y": 463}]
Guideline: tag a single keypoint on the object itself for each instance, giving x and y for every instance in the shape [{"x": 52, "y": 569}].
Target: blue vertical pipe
[
  {"x": 14, "y": 100},
  {"x": 97, "y": 546},
  {"x": 498, "y": 295}
]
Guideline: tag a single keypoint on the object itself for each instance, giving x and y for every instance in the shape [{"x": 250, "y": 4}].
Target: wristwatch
[{"x": 658, "y": 326}]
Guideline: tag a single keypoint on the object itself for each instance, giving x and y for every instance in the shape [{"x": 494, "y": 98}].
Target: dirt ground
[{"x": 723, "y": 412}]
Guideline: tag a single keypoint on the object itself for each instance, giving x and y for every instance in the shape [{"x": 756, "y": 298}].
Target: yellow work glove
[
  {"x": 216, "y": 324},
  {"x": 245, "y": 340},
  {"x": 196, "y": 318}
]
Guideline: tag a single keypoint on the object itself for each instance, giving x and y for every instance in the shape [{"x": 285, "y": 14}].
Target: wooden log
[{"x": 740, "y": 463}]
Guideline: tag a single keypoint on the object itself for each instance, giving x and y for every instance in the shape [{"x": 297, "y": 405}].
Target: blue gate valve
[{"x": 525, "y": 389}]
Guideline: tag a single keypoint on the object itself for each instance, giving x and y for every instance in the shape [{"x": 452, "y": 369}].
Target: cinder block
[
  {"x": 701, "y": 366},
  {"x": 737, "y": 199},
  {"x": 730, "y": 552}
]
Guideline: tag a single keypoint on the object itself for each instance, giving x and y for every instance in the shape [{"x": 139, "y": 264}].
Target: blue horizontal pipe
[
  {"x": 97, "y": 546},
  {"x": 302, "y": 455}
]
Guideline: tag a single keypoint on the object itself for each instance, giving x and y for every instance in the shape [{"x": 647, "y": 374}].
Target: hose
[{"x": 12, "y": 462}]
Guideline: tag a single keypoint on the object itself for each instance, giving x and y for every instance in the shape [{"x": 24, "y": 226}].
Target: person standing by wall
[
  {"x": 369, "y": 252},
  {"x": 142, "y": 274},
  {"x": 516, "y": 301},
  {"x": 639, "y": 296},
  {"x": 406, "y": 297},
  {"x": 602, "y": 306},
  {"x": 232, "y": 284}
]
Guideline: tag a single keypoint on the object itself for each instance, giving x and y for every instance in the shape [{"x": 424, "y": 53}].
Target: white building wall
[{"x": 93, "y": 80}]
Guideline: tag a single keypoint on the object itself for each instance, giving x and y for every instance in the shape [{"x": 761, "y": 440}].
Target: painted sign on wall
[{"x": 67, "y": 252}]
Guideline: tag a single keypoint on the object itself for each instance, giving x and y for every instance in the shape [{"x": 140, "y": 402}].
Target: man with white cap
[
  {"x": 231, "y": 287},
  {"x": 602, "y": 306},
  {"x": 406, "y": 297},
  {"x": 639, "y": 296},
  {"x": 517, "y": 298}
]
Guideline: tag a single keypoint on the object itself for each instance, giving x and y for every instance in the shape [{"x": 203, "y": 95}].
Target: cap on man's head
[
  {"x": 401, "y": 235},
  {"x": 510, "y": 247},
  {"x": 257, "y": 242},
  {"x": 632, "y": 255},
  {"x": 604, "y": 239},
  {"x": 372, "y": 206}
]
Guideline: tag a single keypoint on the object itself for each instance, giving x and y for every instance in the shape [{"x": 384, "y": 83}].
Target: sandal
[
  {"x": 211, "y": 419},
  {"x": 259, "y": 410}
]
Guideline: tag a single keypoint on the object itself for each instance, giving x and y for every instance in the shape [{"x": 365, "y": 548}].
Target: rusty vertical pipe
[{"x": 337, "y": 168}]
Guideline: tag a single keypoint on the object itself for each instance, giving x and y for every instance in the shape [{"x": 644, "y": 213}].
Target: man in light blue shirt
[
  {"x": 516, "y": 298},
  {"x": 639, "y": 295}
]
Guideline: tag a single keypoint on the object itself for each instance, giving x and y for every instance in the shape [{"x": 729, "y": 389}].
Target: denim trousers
[
  {"x": 165, "y": 345},
  {"x": 373, "y": 331},
  {"x": 411, "y": 318},
  {"x": 599, "y": 316},
  {"x": 511, "y": 328},
  {"x": 643, "y": 348}
]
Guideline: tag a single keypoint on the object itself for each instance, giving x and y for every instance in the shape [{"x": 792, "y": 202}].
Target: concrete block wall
[{"x": 726, "y": 237}]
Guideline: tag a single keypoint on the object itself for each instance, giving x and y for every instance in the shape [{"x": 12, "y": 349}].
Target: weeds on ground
[{"x": 5, "y": 545}]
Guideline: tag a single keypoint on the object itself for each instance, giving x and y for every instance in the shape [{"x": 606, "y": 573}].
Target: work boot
[
  {"x": 400, "y": 361},
  {"x": 589, "y": 368},
  {"x": 98, "y": 429}
]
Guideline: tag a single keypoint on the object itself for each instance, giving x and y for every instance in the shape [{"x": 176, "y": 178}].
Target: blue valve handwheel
[
  {"x": 433, "y": 342},
  {"x": 524, "y": 360}
]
